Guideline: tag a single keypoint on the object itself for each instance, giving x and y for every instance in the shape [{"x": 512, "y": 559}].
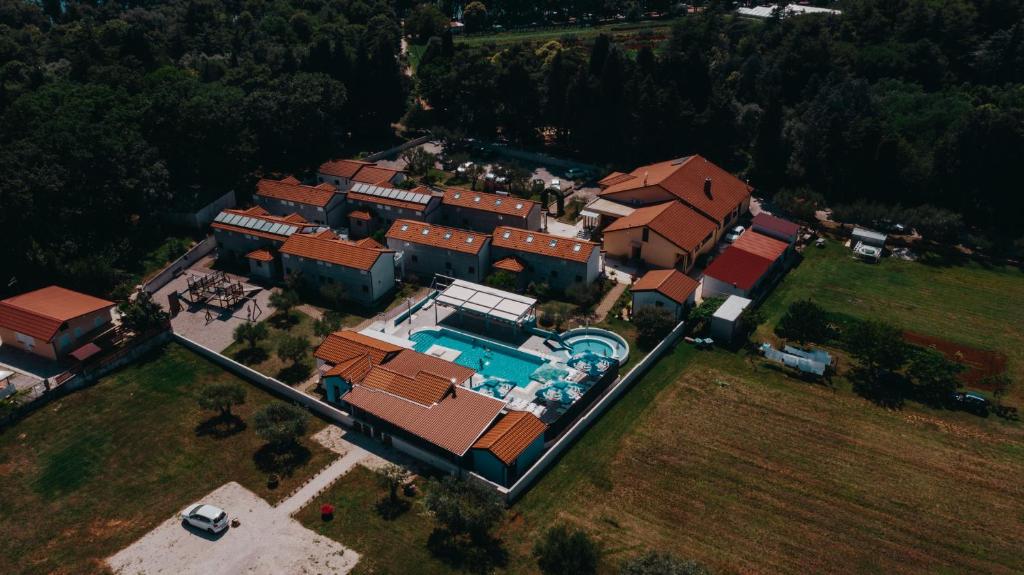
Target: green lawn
[
  {"x": 968, "y": 304},
  {"x": 88, "y": 474},
  {"x": 264, "y": 358},
  {"x": 620, "y": 32}
]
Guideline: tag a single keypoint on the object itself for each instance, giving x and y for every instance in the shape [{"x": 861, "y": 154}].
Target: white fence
[
  {"x": 592, "y": 415},
  {"x": 399, "y": 148},
  {"x": 179, "y": 265},
  {"x": 280, "y": 388}
]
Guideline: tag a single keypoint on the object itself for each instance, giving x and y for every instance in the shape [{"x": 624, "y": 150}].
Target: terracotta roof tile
[
  {"x": 353, "y": 370},
  {"x": 453, "y": 424},
  {"x": 370, "y": 243},
  {"x": 375, "y": 175},
  {"x": 684, "y": 178},
  {"x": 290, "y": 189},
  {"x": 360, "y": 215},
  {"x": 511, "y": 435},
  {"x": 770, "y": 223},
  {"x": 739, "y": 268},
  {"x": 509, "y": 264},
  {"x": 438, "y": 236},
  {"x": 260, "y": 255},
  {"x": 673, "y": 284},
  {"x": 497, "y": 203},
  {"x": 409, "y": 362},
  {"x": 543, "y": 244},
  {"x": 40, "y": 313},
  {"x": 423, "y": 388},
  {"x": 334, "y": 251},
  {"x": 760, "y": 245},
  {"x": 342, "y": 168},
  {"x": 672, "y": 220},
  {"x": 346, "y": 344}
]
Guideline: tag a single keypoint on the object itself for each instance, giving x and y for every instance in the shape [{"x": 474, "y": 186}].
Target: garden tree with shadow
[
  {"x": 424, "y": 22},
  {"x": 652, "y": 325},
  {"x": 284, "y": 301},
  {"x": 113, "y": 114},
  {"x": 466, "y": 513},
  {"x": 280, "y": 425},
  {"x": 141, "y": 314},
  {"x": 656, "y": 563},
  {"x": 418, "y": 161},
  {"x": 935, "y": 378},
  {"x": 880, "y": 350},
  {"x": 392, "y": 477},
  {"x": 251, "y": 333},
  {"x": 293, "y": 349},
  {"x": 329, "y": 323},
  {"x": 804, "y": 321},
  {"x": 221, "y": 397},
  {"x": 564, "y": 551},
  {"x": 749, "y": 320},
  {"x": 502, "y": 280},
  {"x": 585, "y": 295}
]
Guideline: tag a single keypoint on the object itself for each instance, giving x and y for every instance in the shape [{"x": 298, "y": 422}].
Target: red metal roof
[
  {"x": 292, "y": 190},
  {"x": 673, "y": 284},
  {"x": 40, "y": 313},
  {"x": 453, "y": 424},
  {"x": 438, "y": 236},
  {"x": 738, "y": 267},
  {"x": 543, "y": 244},
  {"x": 771, "y": 223},
  {"x": 511, "y": 435},
  {"x": 761, "y": 245}
]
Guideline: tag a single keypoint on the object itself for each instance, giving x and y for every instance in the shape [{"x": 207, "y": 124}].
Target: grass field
[
  {"x": 88, "y": 474},
  {"x": 968, "y": 304},
  {"x": 264, "y": 358},
  {"x": 621, "y": 33}
]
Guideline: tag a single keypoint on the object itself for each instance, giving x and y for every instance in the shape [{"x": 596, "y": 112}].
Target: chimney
[
  {"x": 707, "y": 187},
  {"x": 645, "y": 178}
]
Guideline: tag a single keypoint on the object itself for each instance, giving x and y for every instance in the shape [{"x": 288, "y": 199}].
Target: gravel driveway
[{"x": 268, "y": 541}]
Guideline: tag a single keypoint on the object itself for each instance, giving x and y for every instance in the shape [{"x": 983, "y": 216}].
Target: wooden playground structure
[{"x": 217, "y": 290}]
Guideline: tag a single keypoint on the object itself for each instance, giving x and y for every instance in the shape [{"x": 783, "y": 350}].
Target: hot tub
[{"x": 598, "y": 341}]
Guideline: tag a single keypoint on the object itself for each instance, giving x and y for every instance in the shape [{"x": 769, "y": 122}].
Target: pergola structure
[{"x": 488, "y": 303}]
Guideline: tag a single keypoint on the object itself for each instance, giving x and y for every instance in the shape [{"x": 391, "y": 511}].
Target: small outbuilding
[
  {"x": 667, "y": 289},
  {"x": 868, "y": 237},
  {"x": 53, "y": 321},
  {"x": 774, "y": 227},
  {"x": 726, "y": 320}
]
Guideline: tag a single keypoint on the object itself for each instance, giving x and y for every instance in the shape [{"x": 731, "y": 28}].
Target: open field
[
  {"x": 969, "y": 304},
  {"x": 629, "y": 35},
  {"x": 90, "y": 473}
]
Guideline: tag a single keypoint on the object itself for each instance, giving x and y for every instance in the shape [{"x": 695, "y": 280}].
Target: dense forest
[
  {"x": 113, "y": 112},
  {"x": 897, "y": 109}
]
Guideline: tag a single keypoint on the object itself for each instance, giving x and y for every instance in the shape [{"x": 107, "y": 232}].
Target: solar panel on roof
[
  {"x": 266, "y": 225},
  {"x": 276, "y": 228},
  {"x": 220, "y": 217},
  {"x": 232, "y": 219},
  {"x": 287, "y": 230},
  {"x": 403, "y": 195}
]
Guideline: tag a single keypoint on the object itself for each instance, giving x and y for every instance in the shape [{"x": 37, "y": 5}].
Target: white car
[
  {"x": 734, "y": 234},
  {"x": 205, "y": 517},
  {"x": 465, "y": 167},
  {"x": 556, "y": 184}
]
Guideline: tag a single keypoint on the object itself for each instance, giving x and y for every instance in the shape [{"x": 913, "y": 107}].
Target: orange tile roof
[
  {"x": 543, "y": 244},
  {"x": 262, "y": 214},
  {"x": 613, "y": 178},
  {"x": 509, "y": 264},
  {"x": 340, "y": 252},
  {"x": 342, "y": 168},
  {"x": 438, "y": 236},
  {"x": 684, "y": 178},
  {"x": 671, "y": 220},
  {"x": 511, "y": 435},
  {"x": 424, "y": 388},
  {"x": 453, "y": 424},
  {"x": 353, "y": 370},
  {"x": 292, "y": 190},
  {"x": 360, "y": 215},
  {"x": 375, "y": 175},
  {"x": 369, "y": 243},
  {"x": 260, "y": 255},
  {"x": 409, "y": 362},
  {"x": 761, "y": 245},
  {"x": 356, "y": 196},
  {"x": 497, "y": 203},
  {"x": 346, "y": 344},
  {"x": 673, "y": 284},
  {"x": 41, "y": 313}
]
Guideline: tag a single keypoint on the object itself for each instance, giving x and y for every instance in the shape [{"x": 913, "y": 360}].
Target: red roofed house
[
  {"x": 321, "y": 204},
  {"x": 343, "y": 174},
  {"x": 555, "y": 260},
  {"x": 702, "y": 186},
  {"x": 366, "y": 273},
  {"x": 778, "y": 228},
  {"x": 377, "y": 207},
  {"x": 429, "y": 248},
  {"x": 666, "y": 235},
  {"x": 482, "y": 211},
  {"x": 53, "y": 321},
  {"x": 735, "y": 272},
  {"x": 256, "y": 235},
  {"x": 509, "y": 448},
  {"x": 668, "y": 289}
]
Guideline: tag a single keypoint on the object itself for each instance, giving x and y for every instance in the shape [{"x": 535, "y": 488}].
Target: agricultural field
[
  {"x": 88, "y": 474},
  {"x": 938, "y": 303}
]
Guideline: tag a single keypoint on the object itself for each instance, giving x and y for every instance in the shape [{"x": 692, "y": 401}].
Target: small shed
[
  {"x": 725, "y": 321},
  {"x": 868, "y": 237},
  {"x": 774, "y": 227},
  {"x": 667, "y": 289}
]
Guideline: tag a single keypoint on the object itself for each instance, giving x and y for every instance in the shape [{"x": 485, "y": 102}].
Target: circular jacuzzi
[{"x": 597, "y": 341}]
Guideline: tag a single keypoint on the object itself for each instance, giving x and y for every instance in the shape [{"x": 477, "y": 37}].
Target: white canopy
[{"x": 487, "y": 301}]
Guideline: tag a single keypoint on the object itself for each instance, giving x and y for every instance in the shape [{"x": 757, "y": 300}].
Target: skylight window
[
  {"x": 469, "y": 239},
  {"x": 497, "y": 202},
  {"x": 553, "y": 243},
  {"x": 476, "y": 199},
  {"x": 425, "y": 231},
  {"x": 405, "y": 227},
  {"x": 519, "y": 206},
  {"x": 529, "y": 239},
  {"x": 457, "y": 195},
  {"x": 447, "y": 235},
  {"x": 506, "y": 235},
  {"x": 576, "y": 247}
]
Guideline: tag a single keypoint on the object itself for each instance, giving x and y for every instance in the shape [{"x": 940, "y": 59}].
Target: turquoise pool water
[
  {"x": 482, "y": 356},
  {"x": 593, "y": 345}
]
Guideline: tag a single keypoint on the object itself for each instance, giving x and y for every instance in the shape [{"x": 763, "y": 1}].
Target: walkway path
[
  {"x": 322, "y": 481},
  {"x": 609, "y": 301}
]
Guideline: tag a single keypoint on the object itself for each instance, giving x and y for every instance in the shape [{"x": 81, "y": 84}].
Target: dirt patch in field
[{"x": 980, "y": 363}]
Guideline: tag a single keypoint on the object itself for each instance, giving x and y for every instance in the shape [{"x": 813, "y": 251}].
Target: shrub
[
  {"x": 561, "y": 551},
  {"x": 464, "y": 508},
  {"x": 280, "y": 424},
  {"x": 502, "y": 280},
  {"x": 653, "y": 563},
  {"x": 251, "y": 333},
  {"x": 328, "y": 324},
  {"x": 142, "y": 314},
  {"x": 804, "y": 321},
  {"x": 221, "y": 397},
  {"x": 652, "y": 325},
  {"x": 292, "y": 348}
]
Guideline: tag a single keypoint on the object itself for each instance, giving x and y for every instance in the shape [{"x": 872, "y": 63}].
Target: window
[
  {"x": 646, "y": 235},
  {"x": 471, "y": 270},
  {"x": 319, "y": 209},
  {"x": 415, "y": 258},
  {"x": 447, "y": 265},
  {"x": 554, "y": 273},
  {"x": 579, "y": 279},
  {"x": 658, "y": 303},
  {"x": 366, "y": 289}
]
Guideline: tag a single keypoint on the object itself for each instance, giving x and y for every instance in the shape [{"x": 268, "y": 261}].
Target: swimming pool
[
  {"x": 598, "y": 341},
  {"x": 481, "y": 355}
]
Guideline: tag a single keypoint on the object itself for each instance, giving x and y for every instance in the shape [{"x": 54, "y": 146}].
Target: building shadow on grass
[
  {"x": 221, "y": 426},
  {"x": 461, "y": 552},
  {"x": 281, "y": 460}
]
